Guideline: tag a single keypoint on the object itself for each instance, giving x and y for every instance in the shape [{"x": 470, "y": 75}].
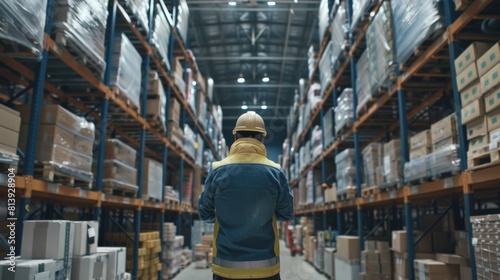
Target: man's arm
[
  {"x": 206, "y": 202},
  {"x": 284, "y": 207}
]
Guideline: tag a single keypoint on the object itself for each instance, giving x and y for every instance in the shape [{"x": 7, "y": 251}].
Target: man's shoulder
[{"x": 236, "y": 159}]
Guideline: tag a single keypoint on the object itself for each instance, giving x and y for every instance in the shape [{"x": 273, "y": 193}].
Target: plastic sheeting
[
  {"x": 22, "y": 24},
  {"x": 189, "y": 140},
  {"x": 81, "y": 26},
  {"x": 183, "y": 19},
  {"x": 414, "y": 22},
  {"x": 363, "y": 81},
  {"x": 126, "y": 62},
  {"x": 344, "y": 111},
  {"x": 139, "y": 9},
  {"x": 339, "y": 39},
  {"x": 443, "y": 161},
  {"x": 161, "y": 34},
  {"x": 346, "y": 170},
  {"x": 359, "y": 8},
  {"x": 323, "y": 19}
]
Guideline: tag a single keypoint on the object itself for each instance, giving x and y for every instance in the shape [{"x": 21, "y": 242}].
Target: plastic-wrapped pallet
[
  {"x": 119, "y": 166},
  {"x": 344, "y": 110},
  {"x": 23, "y": 24},
  {"x": 189, "y": 140},
  {"x": 314, "y": 95},
  {"x": 359, "y": 8},
  {"x": 191, "y": 90},
  {"x": 126, "y": 62},
  {"x": 83, "y": 31},
  {"x": 311, "y": 61},
  {"x": 183, "y": 19},
  {"x": 414, "y": 22},
  {"x": 157, "y": 101},
  {"x": 372, "y": 158},
  {"x": 117, "y": 150},
  {"x": 160, "y": 38},
  {"x": 152, "y": 180},
  {"x": 380, "y": 47},
  {"x": 416, "y": 169},
  {"x": 444, "y": 161},
  {"x": 139, "y": 10},
  {"x": 363, "y": 81},
  {"x": 392, "y": 163},
  {"x": 339, "y": 38},
  {"x": 309, "y": 187},
  {"x": 346, "y": 170},
  {"x": 323, "y": 19},
  {"x": 328, "y": 126},
  {"x": 317, "y": 142},
  {"x": 172, "y": 252},
  {"x": 325, "y": 67}
]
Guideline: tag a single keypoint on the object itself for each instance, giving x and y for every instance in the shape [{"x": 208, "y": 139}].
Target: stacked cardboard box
[
  {"x": 316, "y": 142},
  {"x": 331, "y": 193},
  {"x": 420, "y": 147},
  {"x": 319, "y": 250},
  {"x": 157, "y": 102},
  {"x": 328, "y": 126},
  {"x": 186, "y": 257},
  {"x": 485, "y": 234},
  {"x": 172, "y": 256},
  {"x": 346, "y": 171},
  {"x": 178, "y": 77},
  {"x": 189, "y": 144},
  {"x": 307, "y": 240},
  {"x": 329, "y": 262},
  {"x": 10, "y": 124},
  {"x": 152, "y": 180},
  {"x": 117, "y": 259},
  {"x": 344, "y": 112},
  {"x": 175, "y": 133},
  {"x": 392, "y": 163},
  {"x": 29, "y": 270},
  {"x": 376, "y": 261},
  {"x": 444, "y": 133},
  {"x": 64, "y": 142},
  {"x": 119, "y": 167},
  {"x": 347, "y": 257},
  {"x": 431, "y": 269},
  {"x": 187, "y": 186},
  {"x": 160, "y": 37},
  {"x": 444, "y": 158},
  {"x": 400, "y": 256},
  {"x": 372, "y": 159},
  {"x": 456, "y": 263}
]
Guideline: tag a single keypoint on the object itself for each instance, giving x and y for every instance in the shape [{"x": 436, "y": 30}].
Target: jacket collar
[{"x": 248, "y": 146}]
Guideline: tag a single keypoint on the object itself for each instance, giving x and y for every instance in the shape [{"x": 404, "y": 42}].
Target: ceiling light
[
  {"x": 265, "y": 79},
  {"x": 241, "y": 79},
  {"x": 232, "y": 3},
  {"x": 244, "y": 106},
  {"x": 296, "y": 1},
  {"x": 264, "y": 106},
  {"x": 271, "y": 3}
]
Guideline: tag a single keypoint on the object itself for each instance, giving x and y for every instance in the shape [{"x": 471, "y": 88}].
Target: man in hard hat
[{"x": 245, "y": 194}]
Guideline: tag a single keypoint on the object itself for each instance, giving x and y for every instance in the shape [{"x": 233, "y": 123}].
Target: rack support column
[{"x": 409, "y": 238}]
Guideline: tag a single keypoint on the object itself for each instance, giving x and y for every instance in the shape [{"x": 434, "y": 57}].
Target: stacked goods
[
  {"x": 160, "y": 38},
  {"x": 325, "y": 68},
  {"x": 309, "y": 186},
  {"x": 124, "y": 67},
  {"x": 414, "y": 22},
  {"x": 148, "y": 251},
  {"x": 191, "y": 90},
  {"x": 305, "y": 155},
  {"x": 139, "y": 10},
  {"x": 362, "y": 82},
  {"x": 372, "y": 160},
  {"x": 64, "y": 143},
  {"x": 186, "y": 257},
  {"x": 359, "y": 8},
  {"x": 431, "y": 269},
  {"x": 380, "y": 49},
  {"x": 203, "y": 250},
  {"x": 328, "y": 126},
  {"x": 346, "y": 171},
  {"x": 400, "y": 256},
  {"x": 339, "y": 37},
  {"x": 171, "y": 194},
  {"x": 305, "y": 238},
  {"x": 175, "y": 133},
  {"x": 331, "y": 193},
  {"x": 311, "y": 61},
  {"x": 10, "y": 123},
  {"x": 187, "y": 186},
  {"x": 392, "y": 164},
  {"x": 376, "y": 261},
  {"x": 152, "y": 180},
  {"x": 72, "y": 19},
  {"x": 178, "y": 77},
  {"x": 182, "y": 19},
  {"x": 420, "y": 147},
  {"x": 344, "y": 111},
  {"x": 444, "y": 133},
  {"x": 323, "y": 19},
  {"x": 198, "y": 188},
  {"x": 314, "y": 96},
  {"x": 117, "y": 259},
  {"x": 456, "y": 263},
  {"x": 329, "y": 262},
  {"x": 310, "y": 247},
  {"x": 189, "y": 141},
  {"x": 484, "y": 238},
  {"x": 119, "y": 167},
  {"x": 199, "y": 150},
  {"x": 320, "y": 251},
  {"x": 444, "y": 158},
  {"x": 29, "y": 270},
  {"x": 23, "y": 24},
  {"x": 302, "y": 197},
  {"x": 157, "y": 102},
  {"x": 316, "y": 142},
  {"x": 199, "y": 230},
  {"x": 347, "y": 257}
]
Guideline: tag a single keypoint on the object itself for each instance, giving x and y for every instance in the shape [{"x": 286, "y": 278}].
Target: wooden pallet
[
  {"x": 484, "y": 160},
  {"x": 13, "y": 47},
  {"x": 349, "y": 194},
  {"x": 373, "y": 190},
  {"x": 387, "y": 187},
  {"x": 151, "y": 199},
  {"x": 156, "y": 123},
  {"x": 119, "y": 188},
  {"x": 420, "y": 181},
  {"x": 133, "y": 18},
  {"x": 340, "y": 134},
  {"x": 54, "y": 174}
]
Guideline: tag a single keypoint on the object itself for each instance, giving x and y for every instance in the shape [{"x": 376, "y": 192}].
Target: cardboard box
[
  {"x": 479, "y": 143},
  {"x": 422, "y": 139},
  {"x": 489, "y": 59},
  {"x": 52, "y": 114},
  {"x": 331, "y": 193},
  {"x": 491, "y": 79},
  {"x": 86, "y": 238},
  {"x": 9, "y": 118},
  {"x": 445, "y": 143},
  {"x": 461, "y": 5},
  {"x": 346, "y": 269},
  {"x": 399, "y": 242},
  {"x": 392, "y": 149},
  {"x": 383, "y": 246},
  {"x": 56, "y": 236},
  {"x": 471, "y": 93},
  {"x": 420, "y": 152},
  {"x": 493, "y": 120},
  {"x": 435, "y": 267},
  {"x": 93, "y": 267},
  {"x": 441, "y": 242},
  {"x": 492, "y": 100},
  {"x": 494, "y": 138},
  {"x": 8, "y": 149},
  {"x": 370, "y": 246},
  {"x": 465, "y": 272},
  {"x": 467, "y": 77},
  {"x": 477, "y": 128},
  {"x": 473, "y": 111},
  {"x": 348, "y": 247},
  {"x": 83, "y": 145},
  {"x": 400, "y": 261},
  {"x": 117, "y": 259},
  {"x": 152, "y": 179},
  {"x": 443, "y": 128},
  {"x": 116, "y": 170},
  {"x": 9, "y": 137},
  {"x": 452, "y": 259},
  {"x": 116, "y": 149},
  {"x": 470, "y": 55},
  {"x": 29, "y": 270},
  {"x": 48, "y": 134}
]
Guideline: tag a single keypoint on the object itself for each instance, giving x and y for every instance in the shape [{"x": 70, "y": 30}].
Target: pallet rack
[
  {"x": 96, "y": 101},
  {"x": 399, "y": 202}
]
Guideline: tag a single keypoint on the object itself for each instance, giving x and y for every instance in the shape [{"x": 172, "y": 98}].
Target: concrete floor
[{"x": 292, "y": 268}]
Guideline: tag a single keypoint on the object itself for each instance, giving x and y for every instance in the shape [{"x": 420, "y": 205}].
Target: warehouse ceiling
[{"x": 253, "y": 39}]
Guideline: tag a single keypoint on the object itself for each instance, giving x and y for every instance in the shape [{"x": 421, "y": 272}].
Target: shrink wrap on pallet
[
  {"x": 183, "y": 19},
  {"x": 359, "y": 8},
  {"x": 363, "y": 81},
  {"x": 139, "y": 10},
  {"x": 22, "y": 27},
  {"x": 323, "y": 19},
  {"x": 344, "y": 110},
  {"x": 160, "y": 38},
  {"x": 339, "y": 37},
  {"x": 372, "y": 159},
  {"x": 346, "y": 170}
]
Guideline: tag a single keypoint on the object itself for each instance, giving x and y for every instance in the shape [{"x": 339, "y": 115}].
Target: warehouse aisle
[{"x": 292, "y": 268}]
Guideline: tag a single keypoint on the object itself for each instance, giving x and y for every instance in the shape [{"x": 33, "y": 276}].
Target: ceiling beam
[
  {"x": 247, "y": 9},
  {"x": 285, "y": 49},
  {"x": 250, "y": 58},
  {"x": 255, "y": 86}
]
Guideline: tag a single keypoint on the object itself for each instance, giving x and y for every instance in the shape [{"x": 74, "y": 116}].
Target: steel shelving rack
[
  {"x": 398, "y": 203},
  {"x": 101, "y": 108}
]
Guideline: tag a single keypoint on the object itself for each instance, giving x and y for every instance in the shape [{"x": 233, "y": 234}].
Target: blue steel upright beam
[
  {"x": 181, "y": 176},
  {"x": 403, "y": 126},
  {"x": 409, "y": 239},
  {"x": 323, "y": 167},
  {"x": 36, "y": 110}
]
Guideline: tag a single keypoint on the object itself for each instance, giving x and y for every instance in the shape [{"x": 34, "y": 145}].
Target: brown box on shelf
[
  {"x": 478, "y": 145},
  {"x": 83, "y": 145},
  {"x": 477, "y": 128},
  {"x": 491, "y": 79},
  {"x": 470, "y": 55},
  {"x": 114, "y": 169},
  {"x": 441, "y": 242},
  {"x": 473, "y": 111},
  {"x": 8, "y": 149},
  {"x": 348, "y": 247},
  {"x": 174, "y": 111},
  {"x": 471, "y": 93},
  {"x": 175, "y": 133},
  {"x": 118, "y": 150},
  {"x": 420, "y": 152},
  {"x": 400, "y": 261},
  {"x": 489, "y": 59},
  {"x": 443, "y": 129},
  {"x": 467, "y": 77},
  {"x": 331, "y": 193},
  {"x": 492, "y": 100},
  {"x": 452, "y": 259},
  {"x": 52, "y": 114},
  {"x": 445, "y": 143},
  {"x": 422, "y": 139},
  {"x": 9, "y": 137},
  {"x": 392, "y": 149},
  {"x": 399, "y": 242},
  {"x": 465, "y": 272},
  {"x": 9, "y": 118},
  {"x": 434, "y": 268},
  {"x": 493, "y": 120}
]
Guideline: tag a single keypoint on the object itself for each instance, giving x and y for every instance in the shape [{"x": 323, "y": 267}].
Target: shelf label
[
  {"x": 103, "y": 197},
  {"x": 126, "y": 200},
  {"x": 82, "y": 193},
  {"x": 371, "y": 198},
  {"x": 53, "y": 188},
  {"x": 414, "y": 190},
  {"x": 392, "y": 194},
  {"x": 448, "y": 183}
]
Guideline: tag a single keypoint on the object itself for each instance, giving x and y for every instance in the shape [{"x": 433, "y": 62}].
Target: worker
[{"x": 245, "y": 194}]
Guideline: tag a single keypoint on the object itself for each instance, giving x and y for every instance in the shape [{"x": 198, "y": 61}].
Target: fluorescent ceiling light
[
  {"x": 232, "y": 3},
  {"x": 265, "y": 79},
  {"x": 271, "y": 3},
  {"x": 264, "y": 106},
  {"x": 244, "y": 106},
  {"x": 241, "y": 79}
]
